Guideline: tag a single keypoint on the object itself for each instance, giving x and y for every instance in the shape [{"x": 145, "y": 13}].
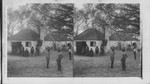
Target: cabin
[
  {"x": 91, "y": 38},
  {"x": 123, "y": 39},
  {"x": 26, "y": 38}
]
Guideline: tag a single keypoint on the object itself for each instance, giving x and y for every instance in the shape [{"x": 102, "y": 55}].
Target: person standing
[
  {"x": 135, "y": 52},
  {"x": 58, "y": 60},
  {"x": 70, "y": 53},
  {"x": 47, "y": 57},
  {"x": 123, "y": 60},
  {"x": 32, "y": 51},
  {"x": 96, "y": 50},
  {"x": 112, "y": 57}
]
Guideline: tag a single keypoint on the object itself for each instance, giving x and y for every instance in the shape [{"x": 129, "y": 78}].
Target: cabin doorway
[
  {"x": 16, "y": 47},
  {"x": 80, "y": 46}
]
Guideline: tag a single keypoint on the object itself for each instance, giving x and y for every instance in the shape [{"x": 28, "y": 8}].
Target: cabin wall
[
  {"x": 124, "y": 43},
  {"x": 98, "y": 43},
  {"x": 33, "y": 44},
  {"x": 51, "y": 43}
]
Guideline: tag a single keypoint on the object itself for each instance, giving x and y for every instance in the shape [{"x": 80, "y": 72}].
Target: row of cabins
[
  {"x": 94, "y": 38},
  {"x": 28, "y": 39},
  {"x": 90, "y": 37}
]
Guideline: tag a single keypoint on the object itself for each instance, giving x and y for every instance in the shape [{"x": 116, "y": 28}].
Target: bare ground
[
  {"x": 19, "y": 66},
  {"x": 99, "y": 66}
]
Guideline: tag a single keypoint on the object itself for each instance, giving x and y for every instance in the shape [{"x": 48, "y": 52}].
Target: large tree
[
  {"x": 58, "y": 17},
  {"x": 125, "y": 17}
]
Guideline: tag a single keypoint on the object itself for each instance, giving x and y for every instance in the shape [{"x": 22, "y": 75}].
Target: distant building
[
  {"x": 124, "y": 39},
  {"x": 90, "y": 37}
]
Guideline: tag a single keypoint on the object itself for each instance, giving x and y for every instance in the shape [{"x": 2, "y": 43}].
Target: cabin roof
[
  {"x": 90, "y": 34},
  {"x": 122, "y": 36},
  {"x": 25, "y": 35}
]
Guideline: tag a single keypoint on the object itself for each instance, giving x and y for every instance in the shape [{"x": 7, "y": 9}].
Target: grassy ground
[
  {"x": 19, "y": 66},
  {"x": 100, "y": 66}
]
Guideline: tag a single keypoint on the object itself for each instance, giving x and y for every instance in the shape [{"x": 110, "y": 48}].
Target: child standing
[
  {"x": 47, "y": 57},
  {"x": 123, "y": 60},
  {"x": 112, "y": 57}
]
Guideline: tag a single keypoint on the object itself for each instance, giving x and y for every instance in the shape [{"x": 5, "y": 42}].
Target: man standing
[
  {"x": 70, "y": 53},
  {"x": 47, "y": 57},
  {"x": 59, "y": 61},
  {"x": 112, "y": 57},
  {"x": 123, "y": 60},
  {"x": 134, "y": 51}
]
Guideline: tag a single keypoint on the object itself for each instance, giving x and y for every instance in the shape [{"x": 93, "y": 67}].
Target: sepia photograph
[
  {"x": 40, "y": 39},
  {"x": 107, "y": 40}
]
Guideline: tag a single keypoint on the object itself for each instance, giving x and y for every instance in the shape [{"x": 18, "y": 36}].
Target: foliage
[
  {"x": 125, "y": 17},
  {"x": 52, "y": 17}
]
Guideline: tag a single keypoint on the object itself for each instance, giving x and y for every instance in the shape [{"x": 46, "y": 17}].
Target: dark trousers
[
  {"x": 59, "y": 67},
  {"x": 47, "y": 65},
  {"x": 112, "y": 63},
  {"x": 70, "y": 55},
  {"x": 134, "y": 55},
  {"x": 123, "y": 66}
]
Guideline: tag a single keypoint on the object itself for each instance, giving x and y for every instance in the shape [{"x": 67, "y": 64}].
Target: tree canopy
[
  {"x": 58, "y": 17},
  {"x": 123, "y": 17}
]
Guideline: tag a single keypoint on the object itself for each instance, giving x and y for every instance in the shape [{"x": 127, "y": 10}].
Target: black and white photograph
[
  {"x": 107, "y": 40},
  {"x": 75, "y": 41},
  {"x": 40, "y": 40}
]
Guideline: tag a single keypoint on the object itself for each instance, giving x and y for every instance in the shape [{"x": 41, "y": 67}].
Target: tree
[
  {"x": 17, "y": 19},
  {"x": 11, "y": 21},
  {"x": 84, "y": 17},
  {"x": 58, "y": 17},
  {"x": 122, "y": 16}
]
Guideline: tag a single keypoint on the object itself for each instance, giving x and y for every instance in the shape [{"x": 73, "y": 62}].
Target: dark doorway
[
  {"x": 15, "y": 47},
  {"x": 79, "y": 47}
]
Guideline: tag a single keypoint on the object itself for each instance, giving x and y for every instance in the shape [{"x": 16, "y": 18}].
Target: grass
[
  {"x": 19, "y": 66},
  {"x": 100, "y": 66}
]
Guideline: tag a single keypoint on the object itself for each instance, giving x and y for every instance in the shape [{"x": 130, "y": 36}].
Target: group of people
[
  {"x": 25, "y": 52},
  {"x": 59, "y": 58},
  {"x": 89, "y": 52},
  {"x": 123, "y": 59}
]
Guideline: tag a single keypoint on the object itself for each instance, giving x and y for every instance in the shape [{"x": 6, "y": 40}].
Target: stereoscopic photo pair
[{"x": 74, "y": 40}]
